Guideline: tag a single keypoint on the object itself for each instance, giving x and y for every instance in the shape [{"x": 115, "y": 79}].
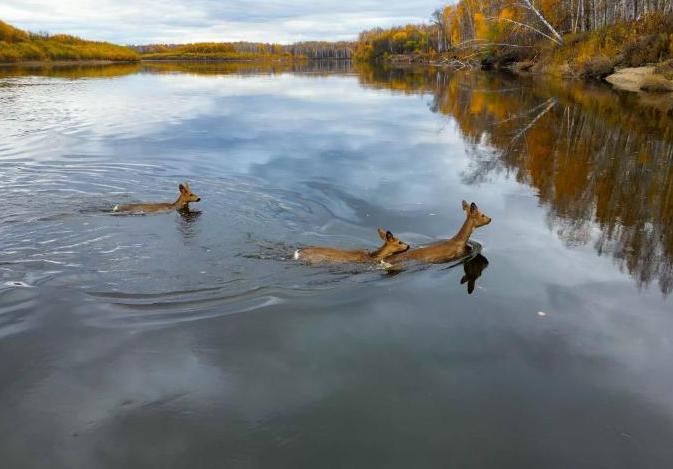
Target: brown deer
[
  {"x": 186, "y": 196},
  {"x": 318, "y": 255},
  {"x": 450, "y": 249}
]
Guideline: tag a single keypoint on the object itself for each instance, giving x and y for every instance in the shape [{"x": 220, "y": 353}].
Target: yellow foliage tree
[{"x": 481, "y": 27}]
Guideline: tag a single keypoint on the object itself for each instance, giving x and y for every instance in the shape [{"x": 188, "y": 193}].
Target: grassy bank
[
  {"x": 597, "y": 54},
  {"x": 211, "y": 51},
  {"x": 20, "y": 46}
]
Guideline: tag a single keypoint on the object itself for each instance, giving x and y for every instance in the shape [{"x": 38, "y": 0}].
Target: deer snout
[{"x": 198, "y": 199}]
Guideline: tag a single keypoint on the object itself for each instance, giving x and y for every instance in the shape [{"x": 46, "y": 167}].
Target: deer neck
[
  {"x": 465, "y": 231},
  {"x": 180, "y": 203},
  {"x": 378, "y": 254}
]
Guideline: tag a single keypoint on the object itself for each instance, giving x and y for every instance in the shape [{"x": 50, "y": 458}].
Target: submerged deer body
[
  {"x": 450, "y": 249},
  {"x": 186, "y": 196},
  {"x": 318, "y": 255}
]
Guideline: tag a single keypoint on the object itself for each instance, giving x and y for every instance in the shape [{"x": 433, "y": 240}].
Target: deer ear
[
  {"x": 473, "y": 208},
  {"x": 389, "y": 236},
  {"x": 465, "y": 205},
  {"x": 382, "y": 233}
]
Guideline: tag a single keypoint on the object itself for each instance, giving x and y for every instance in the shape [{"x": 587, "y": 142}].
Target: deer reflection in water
[
  {"x": 188, "y": 221},
  {"x": 473, "y": 268},
  {"x": 601, "y": 162}
]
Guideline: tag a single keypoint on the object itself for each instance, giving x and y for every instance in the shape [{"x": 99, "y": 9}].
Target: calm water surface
[{"x": 192, "y": 340}]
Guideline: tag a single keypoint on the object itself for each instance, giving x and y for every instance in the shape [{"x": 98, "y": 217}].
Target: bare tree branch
[
  {"x": 532, "y": 8},
  {"x": 493, "y": 18}
]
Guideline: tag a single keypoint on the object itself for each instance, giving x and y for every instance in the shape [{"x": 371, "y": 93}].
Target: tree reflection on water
[{"x": 596, "y": 158}]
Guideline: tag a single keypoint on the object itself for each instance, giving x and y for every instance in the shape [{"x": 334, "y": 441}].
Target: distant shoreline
[
  {"x": 192, "y": 59},
  {"x": 64, "y": 63},
  {"x": 294, "y": 59}
]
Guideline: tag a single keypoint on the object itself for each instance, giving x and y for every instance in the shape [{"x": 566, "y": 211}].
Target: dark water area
[{"x": 194, "y": 340}]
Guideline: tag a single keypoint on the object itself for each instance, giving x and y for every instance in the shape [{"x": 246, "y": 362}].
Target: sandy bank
[{"x": 639, "y": 79}]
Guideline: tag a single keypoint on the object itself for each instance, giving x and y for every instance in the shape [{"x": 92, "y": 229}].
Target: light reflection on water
[{"x": 192, "y": 338}]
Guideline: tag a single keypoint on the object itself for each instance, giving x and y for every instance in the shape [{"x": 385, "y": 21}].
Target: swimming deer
[
  {"x": 317, "y": 255},
  {"x": 186, "y": 196},
  {"x": 450, "y": 249}
]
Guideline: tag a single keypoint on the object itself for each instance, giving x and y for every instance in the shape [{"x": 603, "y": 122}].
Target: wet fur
[
  {"x": 319, "y": 255},
  {"x": 186, "y": 196},
  {"x": 450, "y": 249}
]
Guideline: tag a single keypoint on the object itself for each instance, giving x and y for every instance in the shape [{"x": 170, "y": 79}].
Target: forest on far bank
[
  {"x": 17, "y": 46},
  {"x": 585, "y": 36},
  {"x": 321, "y": 50}
]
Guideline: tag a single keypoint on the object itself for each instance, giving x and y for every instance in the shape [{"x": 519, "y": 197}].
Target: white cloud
[{"x": 147, "y": 21}]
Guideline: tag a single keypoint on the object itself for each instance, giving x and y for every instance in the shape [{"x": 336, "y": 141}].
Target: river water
[{"x": 194, "y": 340}]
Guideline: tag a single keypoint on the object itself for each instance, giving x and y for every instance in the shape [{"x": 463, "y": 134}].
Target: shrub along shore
[
  {"x": 21, "y": 47},
  {"x": 17, "y": 46}
]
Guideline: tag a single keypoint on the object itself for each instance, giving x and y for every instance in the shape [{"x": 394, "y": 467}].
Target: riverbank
[
  {"x": 216, "y": 57},
  {"x": 236, "y": 58},
  {"x": 651, "y": 79},
  {"x": 64, "y": 63},
  {"x": 18, "y": 46},
  {"x": 635, "y": 54}
]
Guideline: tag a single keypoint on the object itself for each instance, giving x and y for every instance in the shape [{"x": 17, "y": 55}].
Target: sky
[{"x": 180, "y": 21}]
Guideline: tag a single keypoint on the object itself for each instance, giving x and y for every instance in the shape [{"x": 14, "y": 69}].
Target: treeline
[
  {"x": 203, "y": 47},
  {"x": 342, "y": 50},
  {"x": 211, "y": 51},
  {"x": 507, "y": 20},
  {"x": 20, "y": 46},
  {"x": 248, "y": 50},
  {"x": 378, "y": 43},
  {"x": 470, "y": 25}
]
